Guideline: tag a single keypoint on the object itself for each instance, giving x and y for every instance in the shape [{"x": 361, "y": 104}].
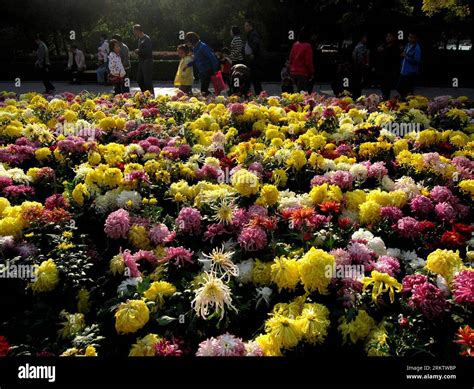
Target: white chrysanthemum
[
  {"x": 134, "y": 148},
  {"x": 394, "y": 252},
  {"x": 17, "y": 175},
  {"x": 442, "y": 284},
  {"x": 328, "y": 164},
  {"x": 387, "y": 183},
  {"x": 407, "y": 185},
  {"x": 362, "y": 234},
  {"x": 82, "y": 171},
  {"x": 343, "y": 166},
  {"x": 123, "y": 287},
  {"x": 282, "y": 155},
  {"x": 378, "y": 246},
  {"x": 213, "y": 293},
  {"x": 223, "y": 211},
  {"x": 129, "y": 199},
  {"x": 220, "y": 261},
  {"x": 245, "y": 271},
  {"x": 359, "y": 172},
  {"x": 107, "y": 202},
  {"x": 263, "y": 295}
]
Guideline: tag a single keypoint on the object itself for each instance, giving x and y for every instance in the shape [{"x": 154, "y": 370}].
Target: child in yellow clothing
[{"x": 184, "y": 76}]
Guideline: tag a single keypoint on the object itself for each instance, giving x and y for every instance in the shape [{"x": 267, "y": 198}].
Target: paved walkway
[{"x": 162, "y": 88}]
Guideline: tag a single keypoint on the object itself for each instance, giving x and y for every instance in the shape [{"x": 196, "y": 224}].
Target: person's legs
[
  {"x": 148, "y": 75},
  {"x": 205, "y": 82},
  {"x": 140, "y": 76},
  {"x": 101, "y": 74},
  {"x": 402, "y": 86},
  {"x": 48, "y": 86},
  {"x": 255, "y": 76},
  {"x": 186, "y": 89},
  {"x": 301, "y": 83}
]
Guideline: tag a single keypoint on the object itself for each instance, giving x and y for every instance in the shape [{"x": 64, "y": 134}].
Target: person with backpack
[{"x": 205, "y": 60}]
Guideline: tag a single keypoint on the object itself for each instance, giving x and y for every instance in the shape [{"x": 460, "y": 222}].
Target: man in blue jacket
[
  {"x": 410, "y": 66},
  {"x": 205, "y": 60}
]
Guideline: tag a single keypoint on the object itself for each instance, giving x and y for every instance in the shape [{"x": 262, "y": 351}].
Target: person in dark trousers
[
  {"x": 252, "y": 53},
  {"x": 314, "y": 44},
  {"x": 360, "y": 67},
  {"x": 389, "y": 64},
  {"x": 204, "y": 59},
  {"x": 410, "y": 66},
  {"x": 42, "y": 64},
  {"x": 125, "y": 57},
  {"x": 145, "y": 60}
]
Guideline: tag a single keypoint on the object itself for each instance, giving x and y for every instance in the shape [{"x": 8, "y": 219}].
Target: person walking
[
  {"x": 301, "y": 61},
  {"x": 125, "y": 57},
  {"x": 236, "y": 46},
  {"x": 42, "y": 64},
  {"x": 204, "y": 59},
  {"x": 410, "y": 66},
  {"x": 76, "y": 64},
  {"x": 145, "y": 60},
  {"x": 360, "y": 66},
  {"x": 252, "y": 53},
  {"x": 116, "y": 69},
  {"x": 389, "y": 65},
  {"x": 102, "y": 57},
  {"x": 184, "y": 76}
]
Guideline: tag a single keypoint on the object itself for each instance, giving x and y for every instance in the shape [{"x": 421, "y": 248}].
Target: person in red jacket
[{"x": 301, "y": 61}]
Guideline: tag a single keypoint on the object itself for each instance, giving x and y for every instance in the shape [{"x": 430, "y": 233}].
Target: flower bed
[{"x": 270, "y": 227}]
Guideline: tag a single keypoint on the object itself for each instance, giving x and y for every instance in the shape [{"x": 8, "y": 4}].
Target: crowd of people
[
  {"x": 398, "y": 66},
  {"x": 239, "y": 67}
]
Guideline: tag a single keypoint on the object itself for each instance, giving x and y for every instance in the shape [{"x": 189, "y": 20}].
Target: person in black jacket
[
  {"x": 145, "y": 60},
  {"x": 252, "y": 53},
  {"x": 390, "y": 64}
]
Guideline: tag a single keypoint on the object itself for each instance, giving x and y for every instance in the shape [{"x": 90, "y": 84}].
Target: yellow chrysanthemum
[
  {"x": 314, "y": 322},
  {"x": 285, "y": 331},
  {"x": 381, "y": 283},
  {"x": 313, "y": 269},
  {"x": 358, "y": 328},
  {"x": 47, "y": 277},
  {"x": 131, "y": 316},
  {"x": 285, "y": 273},
  {"x": 444, "y": 262},
  {"x": 145, "y": 347}
]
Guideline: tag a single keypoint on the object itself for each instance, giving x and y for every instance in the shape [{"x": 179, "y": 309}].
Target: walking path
[{"x": 163, "y": 88}]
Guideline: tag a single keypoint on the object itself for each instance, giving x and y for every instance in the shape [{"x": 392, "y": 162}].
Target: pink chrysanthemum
[
  {"x": 408, "y": 227},
  {"x": 165, "y": 348},
  {"x": 360, "y": 253},
  {"x": 386, "y": 264},
  {"x": 421, "y": 206},
  {"x": 117, "y": 224},
  {"x": 429, "y": 299},
  {"x": 442, "y": 194},
  {"x": 189, "y": 221},
  {"x": 252, "y": 239},
  {"x": 342, "y": 179},
  {"x": 158, "y": 233},
  {"x": 179, "y": 255},
  {"x": 391, "y": 213},
  {"x": 463, "y": 287},
  {"x": 445, "y": 212}
]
